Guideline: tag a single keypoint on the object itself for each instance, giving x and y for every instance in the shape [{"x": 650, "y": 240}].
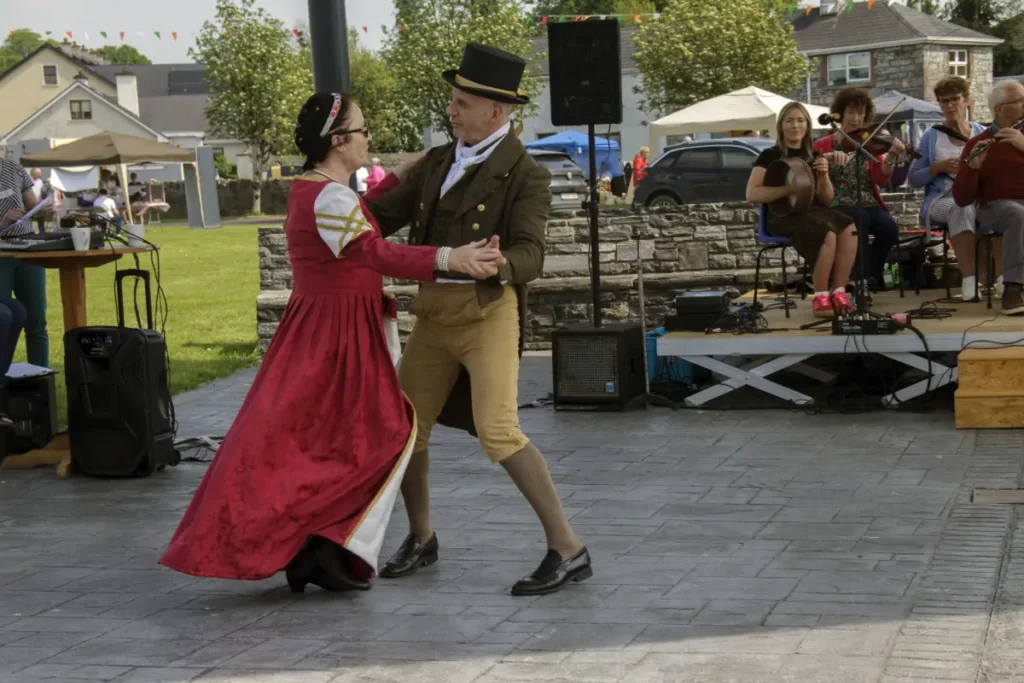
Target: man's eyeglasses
[
  {"x": 944, "y": 101},
  {"x": 1019, "y": 100}
]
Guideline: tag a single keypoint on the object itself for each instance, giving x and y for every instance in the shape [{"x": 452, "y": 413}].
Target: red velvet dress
[{"x": 323, "y": 437}]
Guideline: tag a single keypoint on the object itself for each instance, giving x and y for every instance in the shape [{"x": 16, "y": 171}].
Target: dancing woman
[
  {"x": 825, "y": 238},
  {"x": 308, "y": 474}
]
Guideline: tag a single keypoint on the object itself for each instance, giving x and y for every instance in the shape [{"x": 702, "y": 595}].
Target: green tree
[
  {"x": 435, "y": 33},
  {"x": 931, "y": 7},
  {"x": 704, "y": 48},
  {"x": 1009, "y": 57},
  {"x": 389, "y": 116},
  {"x": 257, "y": 79},
  {"x": 20, "y": 43},
  {"x": 631, "y": 8},
  {"x": 575, "y": 7},
  {"x": 122, "y": 54},
  {"x": 979, "y": 15}
]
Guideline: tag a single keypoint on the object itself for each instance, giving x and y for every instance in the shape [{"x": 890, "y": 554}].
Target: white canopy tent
[{"x": 745, "y": 109}]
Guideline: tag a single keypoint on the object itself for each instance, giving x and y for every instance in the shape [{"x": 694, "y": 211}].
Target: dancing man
[
  {"x": 995, "y": 180},
  {"x": 461, "y": 362}
]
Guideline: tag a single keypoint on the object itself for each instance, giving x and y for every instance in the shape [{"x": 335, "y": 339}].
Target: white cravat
[{"x": 467, "y": 157}]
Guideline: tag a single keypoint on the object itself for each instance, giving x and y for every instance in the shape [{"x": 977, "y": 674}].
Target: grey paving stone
[{"x": 727, "y": 546}]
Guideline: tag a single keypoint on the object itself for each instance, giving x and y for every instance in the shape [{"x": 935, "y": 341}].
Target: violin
[{"x": 879, "y": 143}]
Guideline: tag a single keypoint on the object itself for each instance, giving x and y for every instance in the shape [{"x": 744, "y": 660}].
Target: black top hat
[{"x": 489, "y": 72}]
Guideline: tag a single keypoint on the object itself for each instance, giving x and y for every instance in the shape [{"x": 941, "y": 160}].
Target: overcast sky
[{"x": 140, "y": 18}]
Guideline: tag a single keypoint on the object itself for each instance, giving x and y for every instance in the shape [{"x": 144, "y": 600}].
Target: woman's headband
[{"x": 333, "y": 115}]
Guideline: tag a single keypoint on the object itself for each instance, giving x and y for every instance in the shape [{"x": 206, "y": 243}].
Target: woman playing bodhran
[{"x": 825, "y": 238}]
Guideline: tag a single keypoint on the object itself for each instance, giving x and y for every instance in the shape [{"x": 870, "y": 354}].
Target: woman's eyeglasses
[{"x": 365, "y": 130}]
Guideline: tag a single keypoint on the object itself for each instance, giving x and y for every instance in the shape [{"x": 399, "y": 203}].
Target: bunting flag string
[{"x": 790, "y": 8}]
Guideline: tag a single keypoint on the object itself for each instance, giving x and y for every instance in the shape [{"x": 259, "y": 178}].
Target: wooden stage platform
[{"x": 749, "y": 359}]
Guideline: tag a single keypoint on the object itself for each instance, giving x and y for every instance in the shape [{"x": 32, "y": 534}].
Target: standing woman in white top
[{"x": 935, "y": 170}]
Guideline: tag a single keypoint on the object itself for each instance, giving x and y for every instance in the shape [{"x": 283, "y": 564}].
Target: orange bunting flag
[
  {"x": 174, "y": 34},
  {"x": 122, "y": 35},
  {"x": 870, "y": 3},
  {"x": 636, "y": 18},
  {"x": 808, "y": 11},
  {"x": 69, "y": 34},
  {"x": 405, "y": 29}
]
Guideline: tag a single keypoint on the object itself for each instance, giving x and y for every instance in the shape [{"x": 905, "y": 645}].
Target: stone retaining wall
[{"x": 700, "y": 246}]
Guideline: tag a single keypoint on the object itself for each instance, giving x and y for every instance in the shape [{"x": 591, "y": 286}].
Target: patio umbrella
[
  {"x": 745, "y": 109},
  {"x": 108, "y": 149}
]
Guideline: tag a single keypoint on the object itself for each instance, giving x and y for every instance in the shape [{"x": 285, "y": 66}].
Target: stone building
[{"x": 889, "y": 46}]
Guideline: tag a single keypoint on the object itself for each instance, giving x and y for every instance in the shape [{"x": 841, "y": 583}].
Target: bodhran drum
[{"x": 795, "y": 172}]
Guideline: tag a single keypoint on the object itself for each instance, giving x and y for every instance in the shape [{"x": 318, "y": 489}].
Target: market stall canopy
[
  {"x": 107, "y": 149},
  {"x": 910, "y": 109},
  {"x": 577, "y": 146},
  {"x": 745, "y": 109}
]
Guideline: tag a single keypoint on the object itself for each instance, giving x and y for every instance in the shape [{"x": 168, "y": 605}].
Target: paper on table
[{"x": 19, "y": 370}]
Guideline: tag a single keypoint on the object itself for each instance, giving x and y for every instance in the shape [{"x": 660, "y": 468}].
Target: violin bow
[{"x": 885, "y": 120}]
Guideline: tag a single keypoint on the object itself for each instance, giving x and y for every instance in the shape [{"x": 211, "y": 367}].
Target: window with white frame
[
  {"x": 958, "y": 63},
  {"x": 81, "y": 110},
  {"x": 49, "y": 74},
  {"x": 852, "y": 67}
]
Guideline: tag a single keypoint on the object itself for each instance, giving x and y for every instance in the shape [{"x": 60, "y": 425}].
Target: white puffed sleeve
[{"x": 339, "y": 217}]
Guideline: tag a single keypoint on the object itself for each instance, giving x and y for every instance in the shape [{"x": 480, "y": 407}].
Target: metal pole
[
  {"x": 595, "y": 256},
  {"x": 328, "y": 34}
]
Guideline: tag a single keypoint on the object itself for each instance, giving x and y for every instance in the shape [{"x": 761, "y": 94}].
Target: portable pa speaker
[
  {"x": 599, "y": 367},
  {"x": 31, "y": 403},
  {"x": 585, "y": 74},
  {"x": 119, "y": 402}
]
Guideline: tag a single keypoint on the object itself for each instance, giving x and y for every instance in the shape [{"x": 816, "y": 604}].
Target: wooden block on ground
[
  {"x": 999, "y": 369},
  {"x": 985, "y": 409},
  {"x": 54, "y": 453}
]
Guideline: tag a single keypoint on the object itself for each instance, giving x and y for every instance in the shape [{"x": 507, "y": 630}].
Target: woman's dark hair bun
[{"x": 311, "y": 121}]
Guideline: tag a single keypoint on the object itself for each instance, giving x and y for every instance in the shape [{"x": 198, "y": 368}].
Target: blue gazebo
[{"x": 577, "y": 146}]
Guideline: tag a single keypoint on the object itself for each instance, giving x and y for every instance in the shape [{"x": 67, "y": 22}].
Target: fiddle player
[
  {"x": 824, "y": 237},
  {"x": 995, "y": 180},
  {"x": 856, "y": 185},
  {"x": 937, "y": 168}
]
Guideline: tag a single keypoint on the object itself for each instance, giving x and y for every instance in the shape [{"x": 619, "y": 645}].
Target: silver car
[{"x": 568, "y": 186}]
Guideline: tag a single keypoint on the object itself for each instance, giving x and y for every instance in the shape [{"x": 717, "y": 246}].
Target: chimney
[
  {"x": 128, "y": 91},
  {"x": 81, "y": 78}
]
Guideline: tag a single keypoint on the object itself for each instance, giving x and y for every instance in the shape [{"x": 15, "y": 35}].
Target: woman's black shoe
[
  {"x": 332, "y": 572},
  {"x": 411, "y": 555},
  {"x": 300, "y": 570},
  {"x": 553, "y": 573}
]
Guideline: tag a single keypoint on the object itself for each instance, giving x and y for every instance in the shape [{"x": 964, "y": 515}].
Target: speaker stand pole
[
  {"x": 648, "y": 398},
  {"x": 595, "y": 255}
]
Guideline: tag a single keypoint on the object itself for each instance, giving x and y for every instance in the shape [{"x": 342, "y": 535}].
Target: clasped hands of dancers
[{"x": 308, "y": 474}]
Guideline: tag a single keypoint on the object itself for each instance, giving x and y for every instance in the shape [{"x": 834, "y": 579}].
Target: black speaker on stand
[{"x": 586, "y": 89}]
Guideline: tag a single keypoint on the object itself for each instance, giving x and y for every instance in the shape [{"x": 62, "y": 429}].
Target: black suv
[{"x": 700, "y": 172}]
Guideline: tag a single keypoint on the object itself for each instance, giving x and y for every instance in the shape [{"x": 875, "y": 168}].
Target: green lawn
[{"x": 210, "y": 278}]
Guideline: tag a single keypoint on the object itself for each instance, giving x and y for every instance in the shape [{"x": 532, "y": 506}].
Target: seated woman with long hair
[
  {"x": 940, "y": 148},
  {"x": 856, "y": 186},
  {"x": 825, "y": 238}
]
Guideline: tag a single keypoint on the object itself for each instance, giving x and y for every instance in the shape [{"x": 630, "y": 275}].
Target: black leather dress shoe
[
  {"x": 300, "y": 570},
  {"x": 411, "y": 555},
  {"x": 554, "y": 572}
]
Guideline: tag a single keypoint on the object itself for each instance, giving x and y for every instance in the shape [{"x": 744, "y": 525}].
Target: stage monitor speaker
[
  {"x": 598, "y": 368},
  {"x": 31, "y": 403},
  {"x": 585, "y": 74},
  {"x": 119, "y": 404}
]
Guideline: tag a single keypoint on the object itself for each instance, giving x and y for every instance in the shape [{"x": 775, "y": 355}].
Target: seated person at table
[
  {"x": 935, "y": 171},
  {"x": 824, "y": 237},
  {"x": 12, "y": 322},
  {"x": 995, "y": 180},
  {"x": 26, "y": 282},
  {"x": 856, "y": 185}
]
